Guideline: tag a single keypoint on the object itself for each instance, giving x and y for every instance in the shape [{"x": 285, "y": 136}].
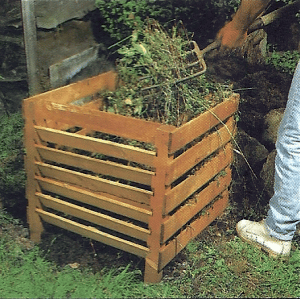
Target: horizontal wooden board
[
  {"x": 75, "y": 91},
  {"x": 94, "y": 183},
  {"x": 94, "y": 145},
  {"x": 174, "y": 223},
  {"x": 94, "y": 217},
  {"x": 121, "y": 206},
  {"x": 105, "y": 122},
  {"x": 186, "y": 188},
  {"x": 203, "y": 123},
  {"x": 95, "y": 165},
  {"x": 169, "y": 251},
  {"x": 93, "y": 233},
  {"x": 200, "y": 151},
  {"x": 67, "y": 68}
]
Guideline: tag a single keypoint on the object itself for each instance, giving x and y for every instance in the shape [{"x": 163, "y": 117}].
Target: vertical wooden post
[
  {"x": 30, "y": 41},
  {"x": 34, "y": 221},
  {"x": 162, "y": 161}
]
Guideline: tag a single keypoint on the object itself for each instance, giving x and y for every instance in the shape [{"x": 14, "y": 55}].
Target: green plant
[
  {"x": 6, "y": 218},
  {"x": 192, "y": 246},
  {"x": 209, "y": 267},
  {"x": 203, "y": 17},
  {"x": 121, "y": 17},
  {"x": 12, "y": 173},
  {"x": 27, "y": 274},
  {"x": 154, "y": 57},
  {"x": 284, "y": 61},
  {"x": 235, "y": 269}
]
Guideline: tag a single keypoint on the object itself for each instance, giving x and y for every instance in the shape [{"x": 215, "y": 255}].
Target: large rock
[
  {"x": 261, "y": 92},
  {"x": 271, "y": 124},
  {"x": 250, "y": 150},
  {"x": 267, "y": 173}
]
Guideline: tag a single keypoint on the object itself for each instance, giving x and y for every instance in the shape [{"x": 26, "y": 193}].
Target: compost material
[{"x": 162, "y": 77}]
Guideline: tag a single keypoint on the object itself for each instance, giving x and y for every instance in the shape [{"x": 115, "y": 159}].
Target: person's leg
[
  {"x": 275, "y": 233},
  {"x": 284, "y": 212}
]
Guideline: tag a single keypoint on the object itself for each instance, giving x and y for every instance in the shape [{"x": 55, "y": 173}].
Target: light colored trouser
[{"x": 284, "y": 212}]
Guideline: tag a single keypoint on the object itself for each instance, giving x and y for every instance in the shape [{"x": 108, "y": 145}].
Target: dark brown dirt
[{"x": 262, "y": 88}]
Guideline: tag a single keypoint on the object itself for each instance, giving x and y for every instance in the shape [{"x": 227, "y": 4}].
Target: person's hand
[{"x": 231, "y": 37}]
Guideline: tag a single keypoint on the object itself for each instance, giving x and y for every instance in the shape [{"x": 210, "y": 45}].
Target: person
[{"x": 274, "y": 233}]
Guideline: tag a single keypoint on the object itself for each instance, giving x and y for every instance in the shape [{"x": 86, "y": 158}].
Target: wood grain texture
[
  {"x": 94, "y": 183},
  {"x": 30, "y": 139},
  {"x": 200, "y": 151},
  {"x": 174, "y": 223},
  {"x": 162, "y": 142},
  {"x": 94, "y": 145},
  {"x": 169, "y": 251},
  {"x": 105, "y": 201},
  {"x": 186, "y": 188},
  {"x": 203, "y": 123},
  {"x": 93, "y": 233},
  {"x": 97, "y": 166},
  {"x": 97, "y": 218}
]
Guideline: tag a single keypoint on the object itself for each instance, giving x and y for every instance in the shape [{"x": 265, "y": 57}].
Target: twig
[{"x": 232, "y": 137}]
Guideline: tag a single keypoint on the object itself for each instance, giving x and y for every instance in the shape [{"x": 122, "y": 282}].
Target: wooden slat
[
  {"x": 186, "y": 188},
  {"x": 169, "y": 251},
  {"x": 107, "y": 202},
  {"x": 96, "y": 103},
  {"x": 200, "y": 151},
  {"x": 203, "y": 123},
  {"x": 91, "y": 119},
  {"x": 65, "y": 69},
  {"x": 157, "y": 203},
  {"x": 97, "y": 166},
  {"x": 93, "y": 233},
  {"x": 94, "y": 183},
  {"x": 187, "y": 212},
  {"x": 34, "y": 221},
  {"x": 94, "y": 217},
  {"x": 78, "y": 90},
  {"x": 95, "y": 145}
]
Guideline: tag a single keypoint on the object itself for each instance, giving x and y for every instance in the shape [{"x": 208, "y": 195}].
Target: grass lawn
[{"x": 211, "y": 268}]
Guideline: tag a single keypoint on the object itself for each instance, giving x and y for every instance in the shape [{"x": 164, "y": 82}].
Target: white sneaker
[{"x": 256, "y": 233}]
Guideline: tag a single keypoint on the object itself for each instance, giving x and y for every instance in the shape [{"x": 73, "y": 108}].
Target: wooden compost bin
[{"x": 150, "y": 203}]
